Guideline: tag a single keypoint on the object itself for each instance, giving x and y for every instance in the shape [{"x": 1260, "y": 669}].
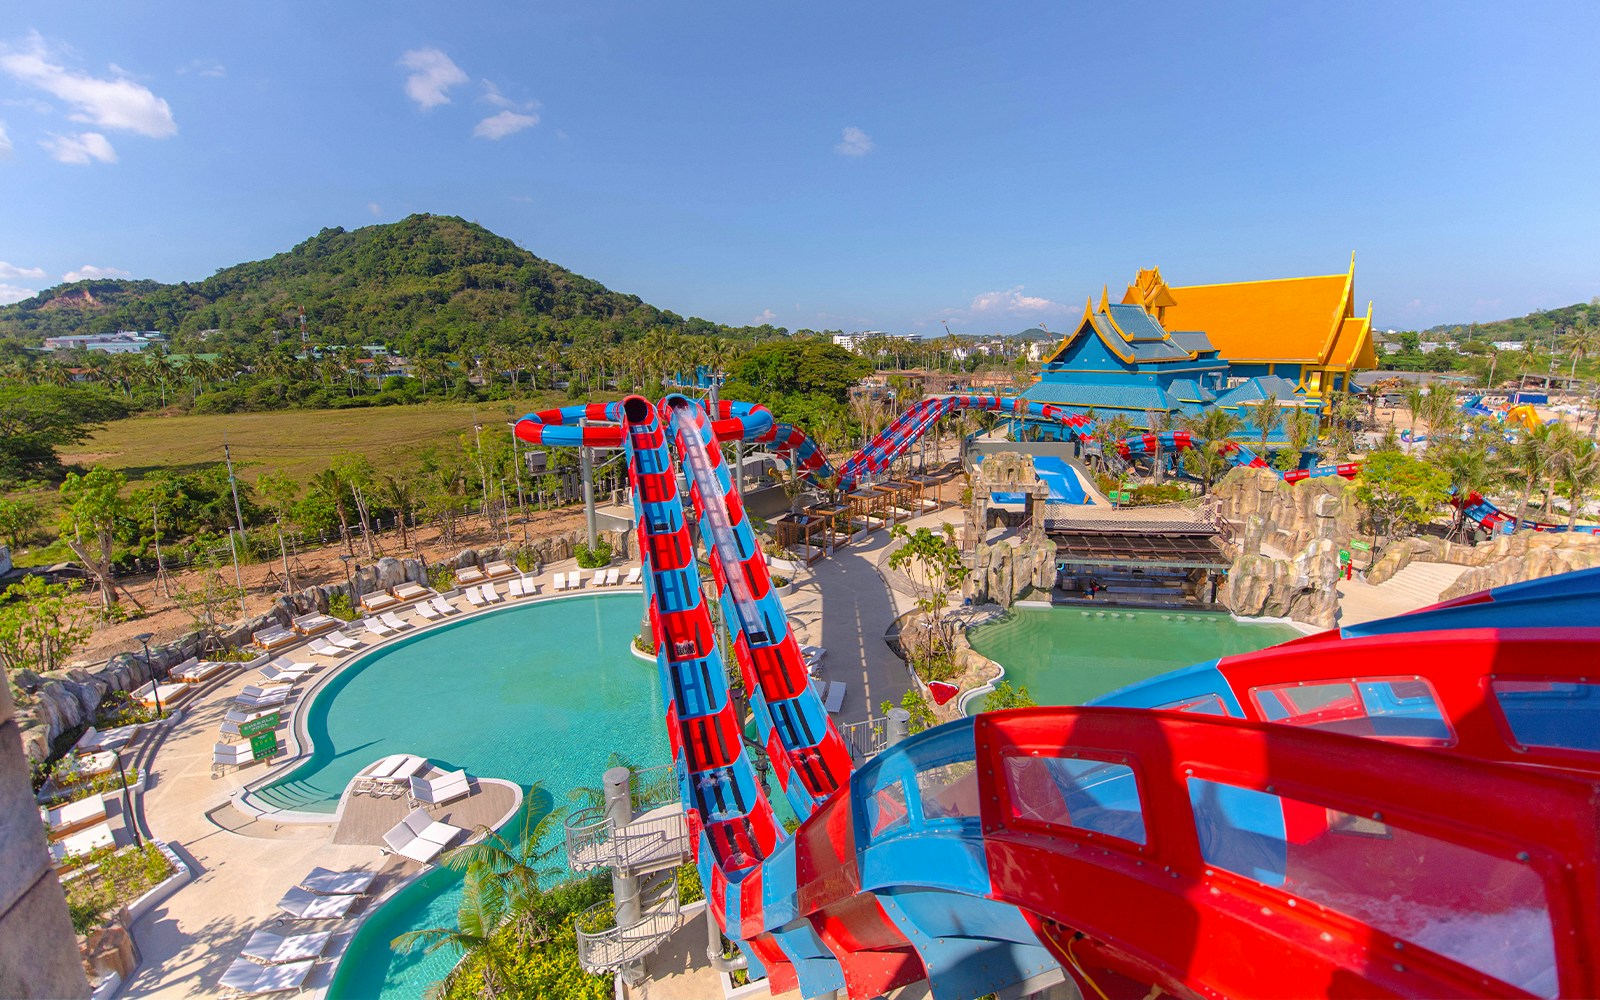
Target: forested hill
[
  {"x": 430, "y": 283},
  {"x": 1538, "y": 325}
]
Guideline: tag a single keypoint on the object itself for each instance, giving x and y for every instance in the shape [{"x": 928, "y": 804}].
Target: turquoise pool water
[
  {"x": 535, "y": 693},
  {"x": 1065, "y": 656}
]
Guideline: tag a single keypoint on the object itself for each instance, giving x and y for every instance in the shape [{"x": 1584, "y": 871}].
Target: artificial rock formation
[
  {"x": 1304, "y": 588},
  {"x": 1291, "y": 515},
  {"x": 1312, "y": 518},
  {"x": 1002, "y": 572}
]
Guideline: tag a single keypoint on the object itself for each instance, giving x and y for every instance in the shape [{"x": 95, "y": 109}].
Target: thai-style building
[{"x": 1171, "y": 351}]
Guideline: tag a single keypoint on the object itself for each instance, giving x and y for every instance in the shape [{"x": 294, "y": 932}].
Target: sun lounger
[
  {"x": 316, "y": 623},
  {"x": 195, "y": 671},
  {"x": 575, "y": 580},
  {"x": 323, "y": 647},
  {"x": 289, "y": 673},
  {"x": 377, "y": 627},
  {"x": 443, "y": 606},
  {"x": 475, "y": 598},
  {"x": 272, "y": 638},
  {"x": 238, "y": 717},
  {"x": 497, "y": 569},
  {"x": 394, "y": 621},
  {"x": 110, "y": 739},
  {"x": 419, "y": 837},
  {"x": 632, "y": 577},
  {"x": 834, "y": 700},
  {"x": 268, "y": 699},
  {"x": 245, "y": 978},
  {"x": 441, "y": 788},
  {"x": 275, "y": 949},
  {"x": 612, "y": 577},
  {"x": 514, "y": 588},
  {"x": 411, "y": 592},
  {"x": 169, "y": 694},
  {"x": 304, "y": 905},
  {"x": 326, "y": 882},
  {"x": 428, "y": 611},
  {"x": 226, "y": 755},
  {"x": 76, "y": 845},
  {"x": 558, "y": 582},
  {"x": 491, "y": 594},
  {"x": 71, "y": 817},
  {"x": 469, "y": 576},
  {"x": 89, "y": 765},
  {"x": 345, "y": 641},
  {"x": 599, "y": 578},
  {"x": 378, "y": 600}
]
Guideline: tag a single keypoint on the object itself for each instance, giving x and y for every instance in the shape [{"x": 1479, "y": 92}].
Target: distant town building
[
  {"x": 1429, "y": 346},
  {"x": 121, "y": 342},
  {"x": 1509, "y": 345},
  {"x": 853, "y": 341}
]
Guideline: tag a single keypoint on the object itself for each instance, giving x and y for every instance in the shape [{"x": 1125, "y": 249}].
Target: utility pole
[{"x": 155, "y": 526}]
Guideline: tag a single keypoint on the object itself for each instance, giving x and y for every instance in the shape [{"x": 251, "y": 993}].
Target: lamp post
[
  {"x": 143, "y": 638},
  {"x": 127, "y": 807},
  {"x": 349, "y": 581}
]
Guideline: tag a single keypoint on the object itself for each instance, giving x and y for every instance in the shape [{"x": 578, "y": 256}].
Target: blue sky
[{"x": 888, "y": 166}]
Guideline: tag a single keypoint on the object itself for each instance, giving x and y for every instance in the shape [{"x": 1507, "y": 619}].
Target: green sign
[
  {"x": 255, "y": 727},
  {"x": 263, "y": 745},
  {"x": 1363, "y": 546},
  {"x": 1120, "y": 496},
  {"x": 1344, "y": 556}
]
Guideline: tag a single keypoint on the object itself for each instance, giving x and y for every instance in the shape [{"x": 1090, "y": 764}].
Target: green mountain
[
  {"x": 1538, "y": 325},
  {"x": 429, "y": 282}
]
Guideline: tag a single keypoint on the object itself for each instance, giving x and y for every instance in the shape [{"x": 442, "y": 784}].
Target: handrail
[
  {"x": 603, "y": 948},
  {"x": 866, "y": 738},
  {"x": 594, "y": 842}
]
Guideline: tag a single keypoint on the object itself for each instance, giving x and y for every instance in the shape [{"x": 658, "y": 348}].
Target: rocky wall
[
  {"x": 1002, "y": 572},
  {"x": 1287, "y": 516},
  {"x": 1304, "y": 588}
]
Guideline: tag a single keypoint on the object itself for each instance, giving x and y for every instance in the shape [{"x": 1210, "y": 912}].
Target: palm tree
[
  {"x": 331, "y": 487},
  {"x": 1582, "y": 342},
  {"x": 1416, "y": 396},
  {"x": 1533, "y": 457},
  {"x": 1467, "y": 462},
  {"x": 1213, "y": 427},
  {"x": 1579, "y": 470},
  {"x": 1265, "y": 416}
]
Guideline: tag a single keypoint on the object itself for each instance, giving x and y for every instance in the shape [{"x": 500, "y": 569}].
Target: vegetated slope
[
  {"x": 1538, "y": 325},
  {"x": 426, "y": 282}
]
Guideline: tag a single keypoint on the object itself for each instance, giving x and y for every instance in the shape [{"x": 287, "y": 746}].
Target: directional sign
[
  {"x": 255, "y": 727},
  {"x": 263, "y": 745},
  {"x": 1363, "y": 546}
]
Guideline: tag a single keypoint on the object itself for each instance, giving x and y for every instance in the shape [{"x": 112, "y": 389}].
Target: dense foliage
[{"x": 35, "y": 420}]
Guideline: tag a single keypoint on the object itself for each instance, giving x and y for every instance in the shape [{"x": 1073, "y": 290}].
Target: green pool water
[
  {"x": 1065, "y": 656},
  {"x": 536, "y": 693}
]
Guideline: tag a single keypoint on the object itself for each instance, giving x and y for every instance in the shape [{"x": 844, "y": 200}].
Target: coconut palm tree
[
  {"x": 1205, "y": 461},
  {"x": 1582, "y": 341},
  {"x": 1416, "y": 397},
  {"x": 1533, "y": 459},
  {"x": 1579, "y": 471},
  {"x": 1264, "y": 414}
]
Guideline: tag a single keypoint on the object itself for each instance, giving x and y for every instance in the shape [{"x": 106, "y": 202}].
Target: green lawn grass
[{"x": 299, "y": 442}]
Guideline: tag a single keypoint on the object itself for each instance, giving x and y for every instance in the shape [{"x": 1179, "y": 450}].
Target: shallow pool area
[
  {"x": 1065, "y": 656},
  {"x": 541, "y": 693}
]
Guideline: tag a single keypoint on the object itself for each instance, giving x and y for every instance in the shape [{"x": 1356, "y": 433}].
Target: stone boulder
[
  {"x": 1541, "y": 554},
  {"x": 1303, "y": 588}
]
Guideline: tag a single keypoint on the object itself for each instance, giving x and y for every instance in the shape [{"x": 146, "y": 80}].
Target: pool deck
[{"x": 243, "y": 863}]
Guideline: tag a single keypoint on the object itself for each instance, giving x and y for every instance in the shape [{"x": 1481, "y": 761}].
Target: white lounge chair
[
  {"x": 378, "y": 600},
  {"x": 613, "y": 577},
  {"x": 558, "y": 582},
  {"x": 441, "y": 788},
  {"x": 499, "y": 568},
  {"x": 599, "y": 578},
  {"x": 304, "y": 905},
  {"x": 530, "y": 586},
  {"x": 419, "y": 837},
  {"x": 443, "y": 606},
  {"x": 286, "y": 674},
  {"x": 327, "y": 882},
  {"x": 491, "y": 594},
  {"x": 633, "y": 576},
  {"x": 345, "y": 641},
  {"x": 514, "y": 588},
  {"x": 575, "y": 580},
  {"x": 428, "y": 611},
  {"x": 275, "y": 949},
  {"x": 394, "y": 621},
  {"x": 226, "y": 755},
  {"x": 377, "y": 627},
  {"x": 267, "y": 699},
  {"x": 316, "y": 623},
  {"x": 238, "y": 717},
  {"x": 475, "y": 597},
  {"x": 76, "y": 845},
  {"x": 245, "y": 978},
  {"x": 323, "y": 647},
  {"x": 469, "y": 576},
  {"x": 70, "y": 817}
]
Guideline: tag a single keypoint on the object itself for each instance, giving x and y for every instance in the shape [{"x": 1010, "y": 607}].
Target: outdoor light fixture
[
  {"x": 143, "y": 638},
  {"x": 349, "y": 581}
]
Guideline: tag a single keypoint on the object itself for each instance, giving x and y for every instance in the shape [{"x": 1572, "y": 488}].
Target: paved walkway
[{"x": 1418, "y": 585}]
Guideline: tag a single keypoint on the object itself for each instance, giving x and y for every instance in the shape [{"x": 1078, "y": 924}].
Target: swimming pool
[
  {"x": 1065, "y": 656},
  {"x": 534, "y": 693}
]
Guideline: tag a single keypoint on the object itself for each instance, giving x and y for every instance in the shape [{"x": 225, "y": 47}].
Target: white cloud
[
  {"x": 8, "y": 271},
  {"x": 14, "y": 293},
  {"x": 854, "y": 142},
  {"x": 203, "y": 67},
  {"x": 91, "y": 271},
  {"x": 503, "y": 124},
  {"x": 84, "y": 147},
  {"x": 374, "y": 208},
  {"x": 1011, "y": 301},
  {"x": 767, "y": 316},
  {"x": 432, "y": 74},
  {"x": 5, "y": 143},
  {"x": 118, "y": 103}
]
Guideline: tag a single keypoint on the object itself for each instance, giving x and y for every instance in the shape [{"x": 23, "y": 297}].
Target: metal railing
[
  {"x": 650, "y": 842},
  {"x": 605, "y": 947},
  {"x": 865, "y": 739}
]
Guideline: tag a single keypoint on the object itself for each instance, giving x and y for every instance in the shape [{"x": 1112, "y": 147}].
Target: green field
[{"x": 300, "y": 442}]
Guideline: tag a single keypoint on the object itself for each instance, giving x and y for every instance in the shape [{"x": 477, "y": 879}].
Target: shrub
[
  {"x": 1153, "y": 494},
  {"x": 779, "y": 580},
  {"x": 442, "y": 578},
  {"x": 1006, "y": 696},
  {"x": 339, "y": 607},
  {"x": 593, "y": 557},
  {"x": 912, "y": 701}
]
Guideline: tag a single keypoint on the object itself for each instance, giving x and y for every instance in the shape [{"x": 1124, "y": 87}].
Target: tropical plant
[
  {"x": 1264, "y": 414},
  {"x": 41, "y": 624},
  {"x": 92, "y": 504},
  {"x": 1398, "y": 492},
  {"x": 1005, "y": 696},
  {"x": 1206, "y": 459}
]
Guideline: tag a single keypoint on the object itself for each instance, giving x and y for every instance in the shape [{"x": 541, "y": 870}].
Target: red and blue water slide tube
[{"x": 1398, "y": 809}]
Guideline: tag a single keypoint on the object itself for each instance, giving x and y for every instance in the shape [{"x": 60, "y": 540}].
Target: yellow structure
[{"x": 1302, "y": 329}]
